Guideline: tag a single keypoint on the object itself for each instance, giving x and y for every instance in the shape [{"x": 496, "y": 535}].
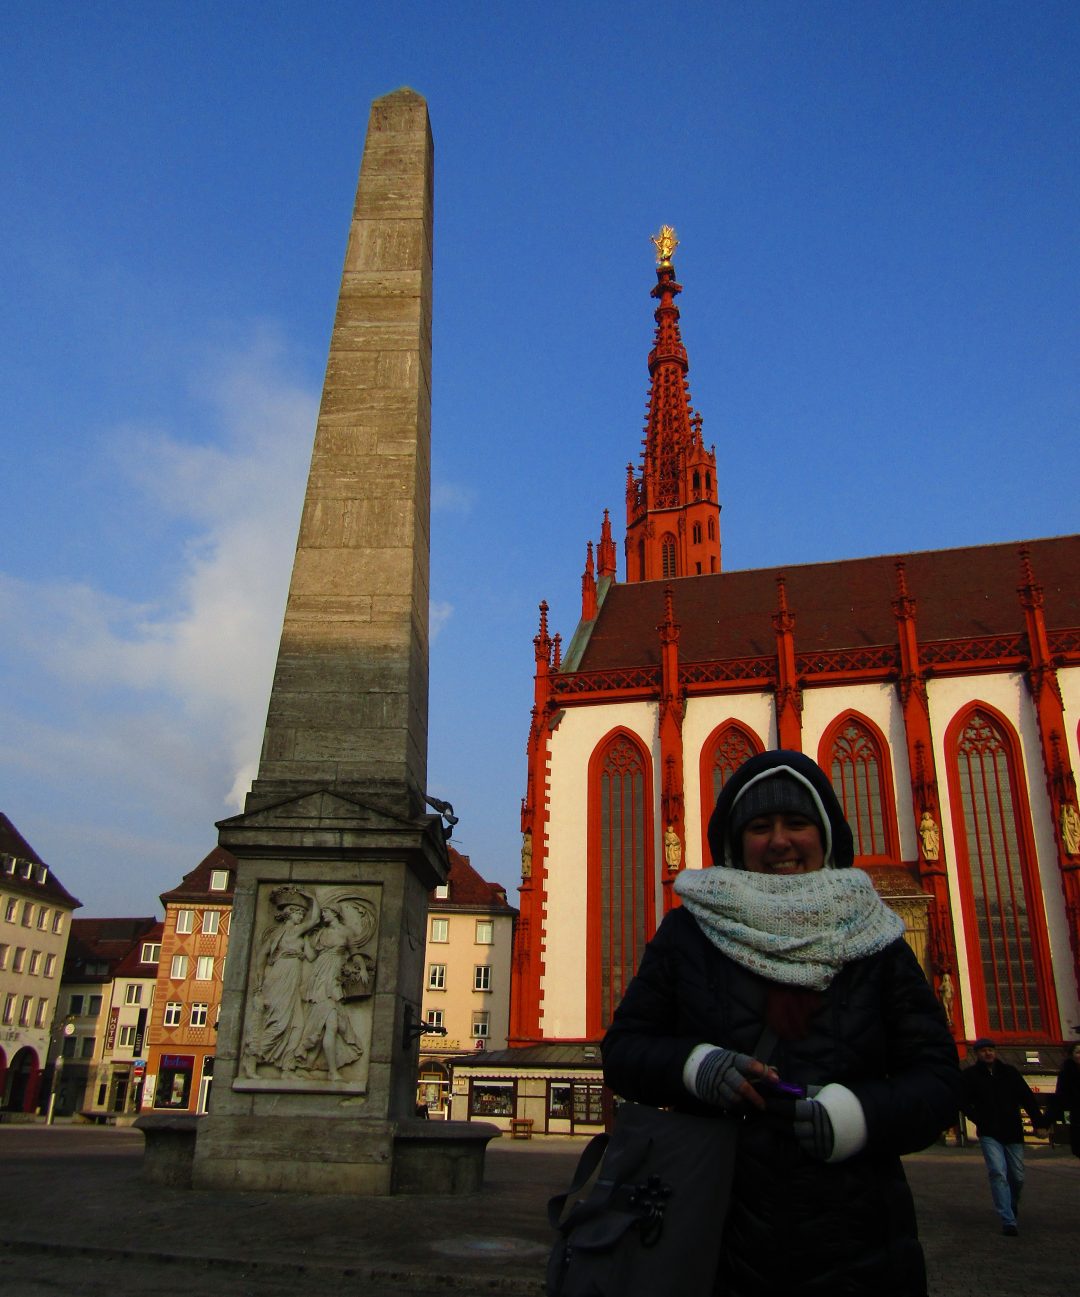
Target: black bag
[{"x": 652, "y": 1220}]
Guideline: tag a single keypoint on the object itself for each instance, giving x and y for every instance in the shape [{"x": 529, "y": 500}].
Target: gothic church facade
[{"x": 940, "y": 690}]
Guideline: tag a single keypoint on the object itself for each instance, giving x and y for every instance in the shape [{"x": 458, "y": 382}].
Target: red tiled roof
[
  {"x": 468, "y": 889},
  {"x": 12, "y": 843},
  {"x": 960, "y": 593},
  {"x": 102, "y": 941},
  {"x": 132, "y": 964},
  {"x": 195, "y": 886}
]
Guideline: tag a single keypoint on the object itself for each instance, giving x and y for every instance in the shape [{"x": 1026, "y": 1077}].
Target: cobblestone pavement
[{"x": 77, "y": 1219}]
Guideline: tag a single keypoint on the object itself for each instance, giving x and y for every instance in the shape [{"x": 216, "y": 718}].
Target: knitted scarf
[{"x": 797, "y": 929}]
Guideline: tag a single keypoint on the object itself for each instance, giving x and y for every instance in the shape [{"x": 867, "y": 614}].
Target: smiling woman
[{"x": 784, "y": 951}]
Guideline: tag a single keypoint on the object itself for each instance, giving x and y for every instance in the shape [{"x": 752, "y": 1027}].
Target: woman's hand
[{"x": 727, "y": 1079}]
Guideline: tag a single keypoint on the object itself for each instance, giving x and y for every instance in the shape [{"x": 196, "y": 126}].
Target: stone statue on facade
[
  {"x": 526, "y": 854},
  {"x": 930, "y": 835},
  {"x": 1070, "y": 829},
  {"x": 672, "y": 849},
  {"x": 946, "y": 994}
]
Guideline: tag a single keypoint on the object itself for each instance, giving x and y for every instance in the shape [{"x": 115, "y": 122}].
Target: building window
[
  {"x": 440, "y": 929},
  {"x": 151, "y": 952},
  {"x": 42, "y": 1013},
  {"x": 172, "y": 1014},
  {"x": 434, "y": 1018},
  {"x": 219, "y": 880},
  {"x": 211, "y": 921},
  {"x": 485, "y": 932},
  {"x": 3, "y": 956},
  {"x": 27, "y": 915},
  {"x": 481, "y": 1025},
  {"x": 185, "y": 921},
  {"x": 50, "y": 965},
  {"x": 11, "y": 911},
  {"x": 9, "y": 1009},
  {"x": 67, "y": 1047},
  {"x": 93, "y": 1006},
  {"x": 87, "y": 1047},
  {"x": 24, "y": 1010},
  {"x": 198, "y": 1015},
  {"x": 133, "y": 994},
  {"x": 621, "y": 880},
  {"x": 855, "y": 763},
  {"x": 35, "y": 962},
  {"x": 43, "y": 918},
  {"x": 20, "y": 959},
  {"x": 669, "y": 565},
  {"x": 58, "y": 921},
  {"x": 559, "y": 1100},
  {"x": 204, "y": 968},
  {"x": 178, "y": 967},
  {"x": 995, "y": 852},
  {"x": 712, "y": 528},
  {"x": 127, "y": 1037},
  {"x": 696, "y": 533},
  {"x": 442, "y": 891},
  {"x": 491, "y": 1099},
  {"x": 75, "y": 1006},
  {"x": 482, "y": 977},
  {"x": 436, "y": 977}
]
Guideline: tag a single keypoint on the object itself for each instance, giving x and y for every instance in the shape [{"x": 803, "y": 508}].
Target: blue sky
[{"x": 877, "y": 205}]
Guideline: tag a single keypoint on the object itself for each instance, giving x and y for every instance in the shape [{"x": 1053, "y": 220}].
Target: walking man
[{"x": 994, "y": 1093}]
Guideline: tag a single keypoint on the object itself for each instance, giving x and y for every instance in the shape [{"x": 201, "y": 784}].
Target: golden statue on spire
[{"x": 665, "y": 243}]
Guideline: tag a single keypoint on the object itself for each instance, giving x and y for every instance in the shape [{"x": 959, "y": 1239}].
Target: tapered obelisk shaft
[{"x": 349, "y": 703}]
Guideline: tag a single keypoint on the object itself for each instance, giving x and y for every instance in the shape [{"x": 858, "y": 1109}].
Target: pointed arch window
[
  {"x": 669, "y": 563},
  {"x": 855, "y": 757},
  {"x": 696, "y": 532},
  {"x": 726, "y": 749},
  {"x": 994, "y": 851},
  {"x": 621, "y": 883},
  {"x": 712, "y": 528}
]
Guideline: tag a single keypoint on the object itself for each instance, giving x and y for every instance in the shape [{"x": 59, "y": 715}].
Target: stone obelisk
[{"x": 314, "y": 1085}]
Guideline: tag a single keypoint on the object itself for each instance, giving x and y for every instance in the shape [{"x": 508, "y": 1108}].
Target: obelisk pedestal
[{"x": 315, "y": 1073}]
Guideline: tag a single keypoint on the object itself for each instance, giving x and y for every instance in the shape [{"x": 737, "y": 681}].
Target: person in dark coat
[
  {"x": 994, "y": 1094},
  {"x": 783, "y": 967},
  {"x": 1067, "y": 1096}
]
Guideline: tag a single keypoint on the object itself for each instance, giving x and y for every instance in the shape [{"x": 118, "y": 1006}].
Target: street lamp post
[{"x": 58, "y": 1067}]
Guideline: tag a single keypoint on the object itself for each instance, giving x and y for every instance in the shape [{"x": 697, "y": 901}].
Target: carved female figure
[
  {"x": 277, "y": 1015},
  {"x": 327, "y": 1025}
]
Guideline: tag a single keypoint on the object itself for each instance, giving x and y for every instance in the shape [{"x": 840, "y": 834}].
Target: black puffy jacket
[{"x": 799, "y": 1227}]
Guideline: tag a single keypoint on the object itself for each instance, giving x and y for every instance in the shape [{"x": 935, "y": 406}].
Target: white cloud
[
  {"x": 439, "y": 613},
  {"x": 171, "y": 694},
  {"x": 451, "y": 497}
]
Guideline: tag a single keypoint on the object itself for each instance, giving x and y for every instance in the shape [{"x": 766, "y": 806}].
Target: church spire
[{"x": 672, "y": 514}]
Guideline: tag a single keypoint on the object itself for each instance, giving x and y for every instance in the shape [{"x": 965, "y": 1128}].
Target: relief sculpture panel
[{"x": 307, "y": 1020}]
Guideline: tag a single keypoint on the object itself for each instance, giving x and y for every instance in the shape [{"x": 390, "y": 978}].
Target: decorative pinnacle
[{"x": 665, "y": 243}]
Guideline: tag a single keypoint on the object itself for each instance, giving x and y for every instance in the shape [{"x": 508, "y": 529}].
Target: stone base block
[
  {"x": 168, "y": 1148},
  {"x": 440, "y": 1156},
  {"x": 294, "y": 1155},
  {"x": 319, "y": 1155}
]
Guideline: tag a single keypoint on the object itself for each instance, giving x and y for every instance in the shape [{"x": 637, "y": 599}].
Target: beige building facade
[
  {"x": 35, "y": 919},
  {"x": 466, "y": 978}
]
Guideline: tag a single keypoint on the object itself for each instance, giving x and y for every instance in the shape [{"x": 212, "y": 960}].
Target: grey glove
[
  {"x": 722, "y": 1072},
  {"x": 813, "y": 1128}
]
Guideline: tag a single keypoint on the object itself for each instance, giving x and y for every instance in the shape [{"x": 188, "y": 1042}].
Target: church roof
[{"x": 960, "y": 594}]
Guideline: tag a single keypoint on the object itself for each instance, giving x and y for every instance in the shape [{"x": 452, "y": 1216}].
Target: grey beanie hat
[{"x": 777, "y": 794}]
